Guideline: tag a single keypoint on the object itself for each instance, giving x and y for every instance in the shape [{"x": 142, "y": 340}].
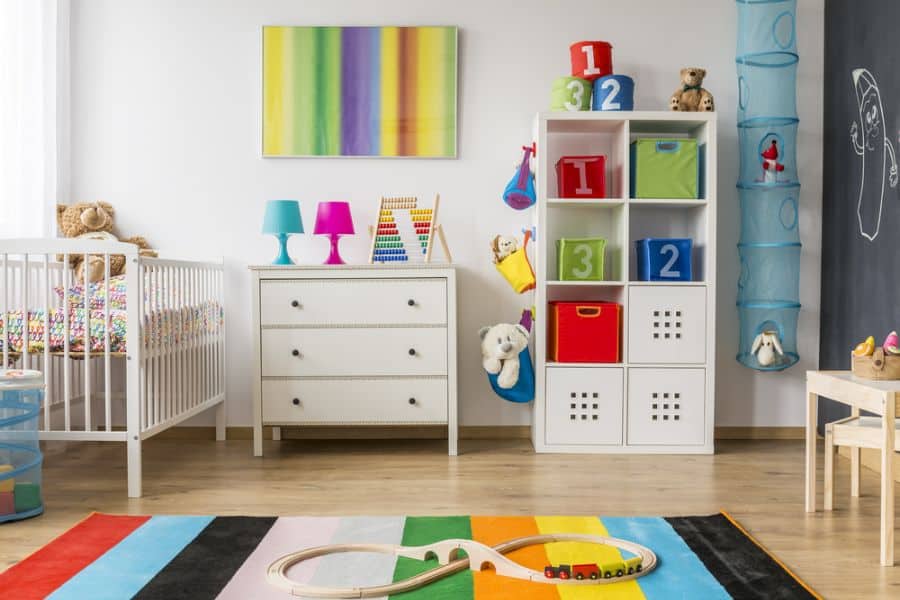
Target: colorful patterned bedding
[{"x": 162, "y": 328}]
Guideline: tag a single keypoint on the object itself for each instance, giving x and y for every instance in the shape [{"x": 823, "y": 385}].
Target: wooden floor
[{"x": 760, "y": 483}]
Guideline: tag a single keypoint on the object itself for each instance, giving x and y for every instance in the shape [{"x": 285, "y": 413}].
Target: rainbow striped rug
[{"x": 197, "y": 557}]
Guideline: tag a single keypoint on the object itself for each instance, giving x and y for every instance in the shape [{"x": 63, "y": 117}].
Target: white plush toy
[
  {"x": 503, "y": 246},
  {"x": 767, "y": 348},
  {"x": 500, "y": 348}
]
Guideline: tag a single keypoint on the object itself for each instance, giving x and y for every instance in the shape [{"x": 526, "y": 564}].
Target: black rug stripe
[
  {"x": 208, "y": 563},
  {"x": 743, "y": 568}
]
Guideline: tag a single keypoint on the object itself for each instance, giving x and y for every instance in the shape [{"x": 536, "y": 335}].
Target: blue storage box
[{"x": 663, "y": 259}]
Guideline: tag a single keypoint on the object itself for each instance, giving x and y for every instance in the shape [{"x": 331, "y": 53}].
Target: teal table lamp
[{"x": 282, "y": 219}]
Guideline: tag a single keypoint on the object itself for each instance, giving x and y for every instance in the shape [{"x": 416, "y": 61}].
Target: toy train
[{"x": 594, "y": 571}]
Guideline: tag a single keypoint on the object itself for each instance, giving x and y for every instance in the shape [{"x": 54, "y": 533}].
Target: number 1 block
[
  {"x": 581, "y": 259},
  {"x": 581, "y": 176},
  {"x": 591, "y": 60}
]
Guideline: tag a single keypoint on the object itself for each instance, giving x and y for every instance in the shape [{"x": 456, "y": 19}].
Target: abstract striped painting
[
  {"x": 359, "y": 91},
  {"x": 108, "y": 557}
]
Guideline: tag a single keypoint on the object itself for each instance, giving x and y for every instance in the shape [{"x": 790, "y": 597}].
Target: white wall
[{"x": 166, "y": 126}]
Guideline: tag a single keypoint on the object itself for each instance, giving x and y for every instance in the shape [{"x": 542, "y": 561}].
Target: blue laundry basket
[{"x": 21, "y": 396}]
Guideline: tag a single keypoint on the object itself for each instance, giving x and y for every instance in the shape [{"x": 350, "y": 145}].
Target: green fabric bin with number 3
[
  {"x": 665, "y": 168},
  {"x": 581, "y": 259}
]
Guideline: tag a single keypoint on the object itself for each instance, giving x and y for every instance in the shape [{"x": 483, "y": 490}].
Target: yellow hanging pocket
[{"x": 516, "y": 268}]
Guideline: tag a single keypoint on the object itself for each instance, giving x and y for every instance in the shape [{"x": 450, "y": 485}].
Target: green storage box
[
  {"x": 580, "y": 259},
  {"x": 665, "y": 168},
  {"x": 27, "y": 497}
]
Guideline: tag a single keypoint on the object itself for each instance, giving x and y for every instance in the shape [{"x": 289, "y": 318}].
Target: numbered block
[
  {"x": 581, "y": 176},
  {"x": 613, "y": 92},
  {"x": 581, "y": 259},
  {"x": 570, "y": 94},
  {"x": 663, "y": 259},
  {"x": 591, "y": 60}
]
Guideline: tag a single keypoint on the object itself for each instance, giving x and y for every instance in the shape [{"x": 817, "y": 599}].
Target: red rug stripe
[{"x": 41, "y": 573}]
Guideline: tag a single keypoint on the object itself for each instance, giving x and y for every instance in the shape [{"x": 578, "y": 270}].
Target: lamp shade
[
  {"x": 282, "y": 216},
  {"x": 334, "y": 218}
]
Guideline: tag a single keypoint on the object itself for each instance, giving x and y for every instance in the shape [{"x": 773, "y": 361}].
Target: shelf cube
[
  {"x": 581, "y": 176},
  {"x": 580, "y": 259},
  {"x": 591, "y": 60},
  {"x": 663, "y": 259}
]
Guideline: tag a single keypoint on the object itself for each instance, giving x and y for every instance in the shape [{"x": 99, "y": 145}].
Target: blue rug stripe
[
  {"x": 128, "y": 566},
  {"x": 680, "y": 574}
]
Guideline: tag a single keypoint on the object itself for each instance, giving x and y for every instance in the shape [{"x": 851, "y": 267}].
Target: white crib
[{"x": 171, "y": 367}]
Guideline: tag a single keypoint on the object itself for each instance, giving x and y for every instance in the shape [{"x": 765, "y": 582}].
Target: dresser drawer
[
  {"x": 354, "y": 351},
  {"x": 666, "y": 324},
  {"x": 353, "y": 301},
  {"x": 355, "y": 401}
]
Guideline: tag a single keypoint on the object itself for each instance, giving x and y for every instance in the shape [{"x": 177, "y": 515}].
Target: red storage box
[
  {"x": 581, "y": 176},
  {"x": 584, "y": 332}
]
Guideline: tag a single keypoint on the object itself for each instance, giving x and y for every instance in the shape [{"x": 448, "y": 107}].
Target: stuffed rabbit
[{"x": 767, "y": 348}]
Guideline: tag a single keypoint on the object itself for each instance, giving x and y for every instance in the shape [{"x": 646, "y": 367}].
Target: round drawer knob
[
  {"x": 410, "y": 302},
  {"x": 412, "y": 351},
  {"x": 296, "y": 401},
  {"x": 295, "y": 303},
  {"x": 295, "y": 352},
  {"x": 412, "y": 401}
]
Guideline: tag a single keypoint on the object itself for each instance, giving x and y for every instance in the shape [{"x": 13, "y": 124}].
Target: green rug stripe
[{"x": 419, "y": 531}]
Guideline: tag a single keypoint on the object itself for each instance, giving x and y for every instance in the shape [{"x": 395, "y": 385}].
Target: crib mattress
[{"x": 161, "y": 328}]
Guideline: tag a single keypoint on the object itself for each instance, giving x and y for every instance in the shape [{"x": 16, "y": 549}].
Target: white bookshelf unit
[{"x": 661, "y": 397}]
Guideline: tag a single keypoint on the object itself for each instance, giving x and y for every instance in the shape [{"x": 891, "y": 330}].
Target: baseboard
[
  {"x": 466, "y": 432},
  {"x": 870, "y": 458},
  {"x": 760, "y": 433}
]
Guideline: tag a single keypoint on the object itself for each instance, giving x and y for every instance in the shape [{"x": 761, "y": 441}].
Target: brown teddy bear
[
  {"x": 94, "y": 220},
  {"x": 691, "y": 96}
]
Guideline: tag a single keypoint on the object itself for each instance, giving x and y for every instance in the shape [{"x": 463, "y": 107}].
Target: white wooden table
[{"x": 878, "y": 397}]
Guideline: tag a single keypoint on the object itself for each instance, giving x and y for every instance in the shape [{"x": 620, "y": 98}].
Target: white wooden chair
[{"x": 854, "y": 432}]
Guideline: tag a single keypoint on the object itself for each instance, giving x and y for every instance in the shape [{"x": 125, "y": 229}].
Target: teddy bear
[
  {"x": 691, "y": 96},
  {"x": 95, "y": 221},
  {"x": 500, "y": 348},
  {"x": 503, "y": 246}
]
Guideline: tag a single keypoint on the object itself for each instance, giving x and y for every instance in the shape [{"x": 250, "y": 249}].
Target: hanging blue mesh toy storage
[
  {"x": 768, "y": 184},
  {"x": 771, "y": 215},
  {"x": 21, "y": 395}
]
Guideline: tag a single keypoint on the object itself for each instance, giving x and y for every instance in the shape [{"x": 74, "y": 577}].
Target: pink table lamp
[{"x": 333, "y": 219}]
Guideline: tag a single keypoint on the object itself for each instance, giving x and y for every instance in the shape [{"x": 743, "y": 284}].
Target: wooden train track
[{"x": 478, "y": 557}]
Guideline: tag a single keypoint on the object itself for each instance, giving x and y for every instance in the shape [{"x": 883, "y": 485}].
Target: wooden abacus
[{"x": 405, "y": 232}]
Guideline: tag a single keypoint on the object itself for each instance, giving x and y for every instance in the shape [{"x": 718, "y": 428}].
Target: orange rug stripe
[{"x": 493, "y": 530}]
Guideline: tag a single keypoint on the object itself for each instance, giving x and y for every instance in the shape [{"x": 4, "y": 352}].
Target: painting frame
[{"x": 359, "y": 91}]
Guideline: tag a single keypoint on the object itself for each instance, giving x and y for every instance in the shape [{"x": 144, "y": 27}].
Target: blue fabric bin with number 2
[{"x": 663, "y": 259}]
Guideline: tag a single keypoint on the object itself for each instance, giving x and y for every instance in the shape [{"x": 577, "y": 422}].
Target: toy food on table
[
  {"x": 866, "y": 348},
  {"x": 892, "y": 343}
]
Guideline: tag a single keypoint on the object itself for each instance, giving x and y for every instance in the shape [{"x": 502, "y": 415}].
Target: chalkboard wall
[{"x": 861, "y": 204}]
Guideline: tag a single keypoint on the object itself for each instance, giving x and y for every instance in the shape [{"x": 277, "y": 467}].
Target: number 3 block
[
  {"x": 591, "y": 60},
  {"x": 581, "y": 176},
  {"x": 581, "y": 259},
  {"x": 570, "y": 94},
  {"x": 663, "y": 259}
]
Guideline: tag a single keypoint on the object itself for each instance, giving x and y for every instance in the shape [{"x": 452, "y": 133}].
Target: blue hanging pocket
[
  {"x": 519, "y": 193},
  {"x": 523, "y": 391}
]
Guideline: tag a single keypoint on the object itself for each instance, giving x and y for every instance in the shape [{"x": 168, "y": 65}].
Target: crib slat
[
  {"x": 26, "y": 357},
  {"x": 67, "y": 365},
  {"x": 86, "y": 297},
  {"x": 107, "y": 383},
  {"x": 6, "y": 310},
  {"x": 46, "y": 365}
]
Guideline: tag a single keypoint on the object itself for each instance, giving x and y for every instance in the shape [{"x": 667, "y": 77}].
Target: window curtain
[{"x": 34, "y": 115}]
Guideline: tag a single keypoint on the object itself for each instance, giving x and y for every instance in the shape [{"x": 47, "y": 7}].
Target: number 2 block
[
  {"x": 581, "y": 259},
  {"x": 591, "y": 60},
  {"x": 581, "y": 176},
  {"x": 663, "y": 259},
  {"x": 613, "y": 92}
]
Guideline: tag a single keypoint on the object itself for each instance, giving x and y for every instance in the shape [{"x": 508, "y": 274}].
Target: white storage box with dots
[
  {"x": 666, "y": 406},
  {"x": 667, "y": 325},
  {"x": 585, "y": 404}
]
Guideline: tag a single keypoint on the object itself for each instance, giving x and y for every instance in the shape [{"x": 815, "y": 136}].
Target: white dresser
[{"x": 354, "y": 345}]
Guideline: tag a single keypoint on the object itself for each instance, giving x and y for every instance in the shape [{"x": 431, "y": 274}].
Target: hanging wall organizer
[{"x": 769, "y": 248}]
